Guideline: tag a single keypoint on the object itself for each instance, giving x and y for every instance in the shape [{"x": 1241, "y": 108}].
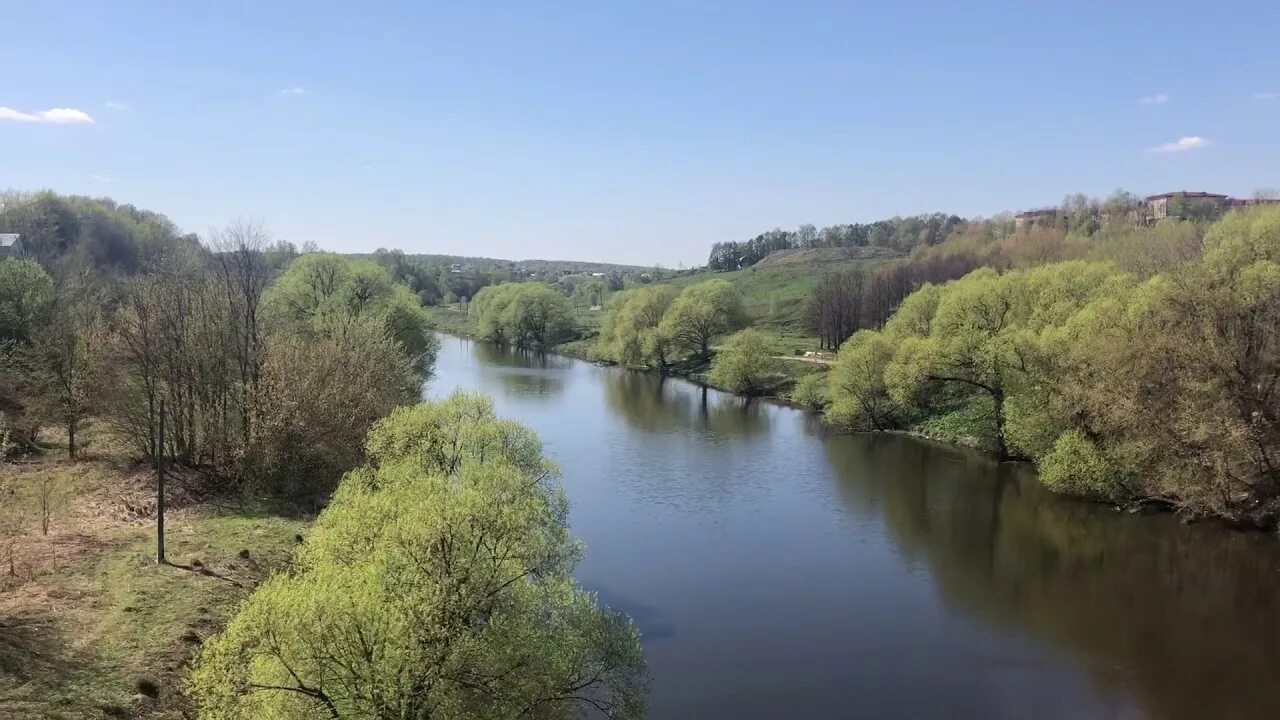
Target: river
[{"x": 776, "y": 570}]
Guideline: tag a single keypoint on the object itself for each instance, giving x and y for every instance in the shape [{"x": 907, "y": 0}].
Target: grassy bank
[{"x": 90, "y": 625}]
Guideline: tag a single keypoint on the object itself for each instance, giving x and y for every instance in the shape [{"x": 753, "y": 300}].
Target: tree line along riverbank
[{"x": 1145, "y": 370}]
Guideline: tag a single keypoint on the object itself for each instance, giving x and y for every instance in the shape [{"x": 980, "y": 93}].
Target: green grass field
[{"x": 90, "y": 625}]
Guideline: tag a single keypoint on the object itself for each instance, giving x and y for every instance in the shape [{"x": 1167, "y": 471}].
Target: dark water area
[{"x": 778, "y": 570}]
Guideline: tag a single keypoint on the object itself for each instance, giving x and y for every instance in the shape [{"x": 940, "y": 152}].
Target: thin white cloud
[
  {"x": 103, "y": 178},
  {"x": 55, "y": 116},
  {"x": 1191, "y": 142},
  {"x": 117, "y": 105},
  {"x": 1265, "y": 96},
  {"x": 293, "y": 91},
  {"x": 1157, "y": 99}
]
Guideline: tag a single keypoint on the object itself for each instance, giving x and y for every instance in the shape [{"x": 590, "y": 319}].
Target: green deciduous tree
[
  {"x": 630, "y": 332},
  {"x": 1178, "y": 380},
  {"x": 63, "y": 368},
  {"x": 701, "y": 313},
  {"x": 318, "y": 287},
  {"x": 531, "y": 314},
  {"x": 745, "y": 363},
  {"x": 860, "y": 399},
  {"x": 984, "y": 335},
  {"x": 26, "y": 300},
  {"x": 318, "y": 398},
  {"x": 437, "y": 584},
  {"x": 810, "y": 392}
]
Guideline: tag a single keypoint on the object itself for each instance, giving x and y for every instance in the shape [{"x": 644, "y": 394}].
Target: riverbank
[
  {"x": 706, "y": 518},
  {"x": 90, "y": 625},
  {"x": 793, "y": 370},
  {"x": 453, "y": 321}
]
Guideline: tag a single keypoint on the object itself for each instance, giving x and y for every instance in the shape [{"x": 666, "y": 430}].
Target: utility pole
[{"x": 160, "y": 490}]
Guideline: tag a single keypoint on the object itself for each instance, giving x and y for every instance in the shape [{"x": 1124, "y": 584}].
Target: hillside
[
  {"x": 775, "y": 289},
  {"x": 819, "y": 257}
]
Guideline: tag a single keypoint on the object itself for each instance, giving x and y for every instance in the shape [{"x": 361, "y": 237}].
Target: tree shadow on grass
[{"x": 34, "y": 655}]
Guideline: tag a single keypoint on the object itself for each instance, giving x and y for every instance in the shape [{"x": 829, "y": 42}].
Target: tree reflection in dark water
[
  {"x": 649, "y": 402},
  {"x": 1185, "y": 618},
  {"x": 522, "y": 371},
  {"x": 523, "y": 358}
]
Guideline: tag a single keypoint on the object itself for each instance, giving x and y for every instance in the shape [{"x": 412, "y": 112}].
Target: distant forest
[{"x": 119, "y": 239}]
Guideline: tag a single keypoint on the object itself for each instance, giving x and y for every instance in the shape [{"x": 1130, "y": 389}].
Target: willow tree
[
  {"x": 532, "y": 315},
  {"x": 437, "y": 584},
  {"x": 745, "y": 363},
  {"x": 986, "y": 337},
  {"x": 320, "y": 289},
  {"x": 702, "y": 313},
  {"x": 1178, "y": 383},
  {"x": 630, "y": 332},
  {"x": 860, "y": 399}
]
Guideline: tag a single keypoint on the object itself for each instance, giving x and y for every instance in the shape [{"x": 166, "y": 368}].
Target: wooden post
[{"x": 160, "y": 490}]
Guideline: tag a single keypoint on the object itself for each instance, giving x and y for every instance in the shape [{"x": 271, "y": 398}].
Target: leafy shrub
[
  {"x": 744, "y": 363},
  {"x": 810, "y": 391},
  {"x": 1075, "y": 465},
  {"x": 318, "y": 398}
]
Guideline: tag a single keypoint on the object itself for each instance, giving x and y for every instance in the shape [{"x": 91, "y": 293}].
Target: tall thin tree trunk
[{"x": 160, "y": 492}]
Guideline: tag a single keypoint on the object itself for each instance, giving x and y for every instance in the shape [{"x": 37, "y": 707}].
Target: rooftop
[
  {"x": 8, "y": 239},
  {"x": 1186, "y": 193}
]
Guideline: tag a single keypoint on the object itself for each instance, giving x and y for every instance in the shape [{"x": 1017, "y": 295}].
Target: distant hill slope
[
  {"x": 534, "y": 265},
  {"x": 775, "y": 289},
  {"x": 826, "y": 256}
]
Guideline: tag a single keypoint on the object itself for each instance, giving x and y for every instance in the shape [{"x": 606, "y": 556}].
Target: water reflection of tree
[
  {"x": 654, "y": 404},
  {"x": 524, "y": 372},
  {"x": 1184, "y": 618},
  {"x": 506, "y": 356},
  {"x": 535, "y": 384}
]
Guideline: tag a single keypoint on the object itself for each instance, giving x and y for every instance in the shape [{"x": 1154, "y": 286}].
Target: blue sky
[{"x": 628, "y": 132}]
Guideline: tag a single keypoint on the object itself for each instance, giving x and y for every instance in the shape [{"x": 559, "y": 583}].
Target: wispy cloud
[
  {"x": 1265, "y": 96},
  {"x": 1191, "y": 142},
  {"x": 103, "y": 178},
  {"x": 293, "y": 91},
  {"x": 56, "y": 116},
  {"x": 117, "y": 105},
  {"x": 1157, "y": 99}
]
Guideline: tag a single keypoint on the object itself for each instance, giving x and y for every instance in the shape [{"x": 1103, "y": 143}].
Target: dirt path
[{"x": 801, "y": 358}]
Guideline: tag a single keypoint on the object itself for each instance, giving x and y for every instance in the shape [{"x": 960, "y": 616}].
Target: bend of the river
[{"x": 776, "y": 570}]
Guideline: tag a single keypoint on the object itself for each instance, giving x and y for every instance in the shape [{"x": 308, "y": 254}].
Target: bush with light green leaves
[
  {"x": 437, "y": 584},
  {"x": 745, "y": 364}
]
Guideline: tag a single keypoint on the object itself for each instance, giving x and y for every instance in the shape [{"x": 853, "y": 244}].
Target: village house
[
  {"x": 1154, "y": 208},
  {"x": 1035, "y": 217},
  {"x": 1158, "y": 205}
]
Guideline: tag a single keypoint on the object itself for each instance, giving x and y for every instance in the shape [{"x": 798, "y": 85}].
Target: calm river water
[{"x": 778, "y": 571}]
